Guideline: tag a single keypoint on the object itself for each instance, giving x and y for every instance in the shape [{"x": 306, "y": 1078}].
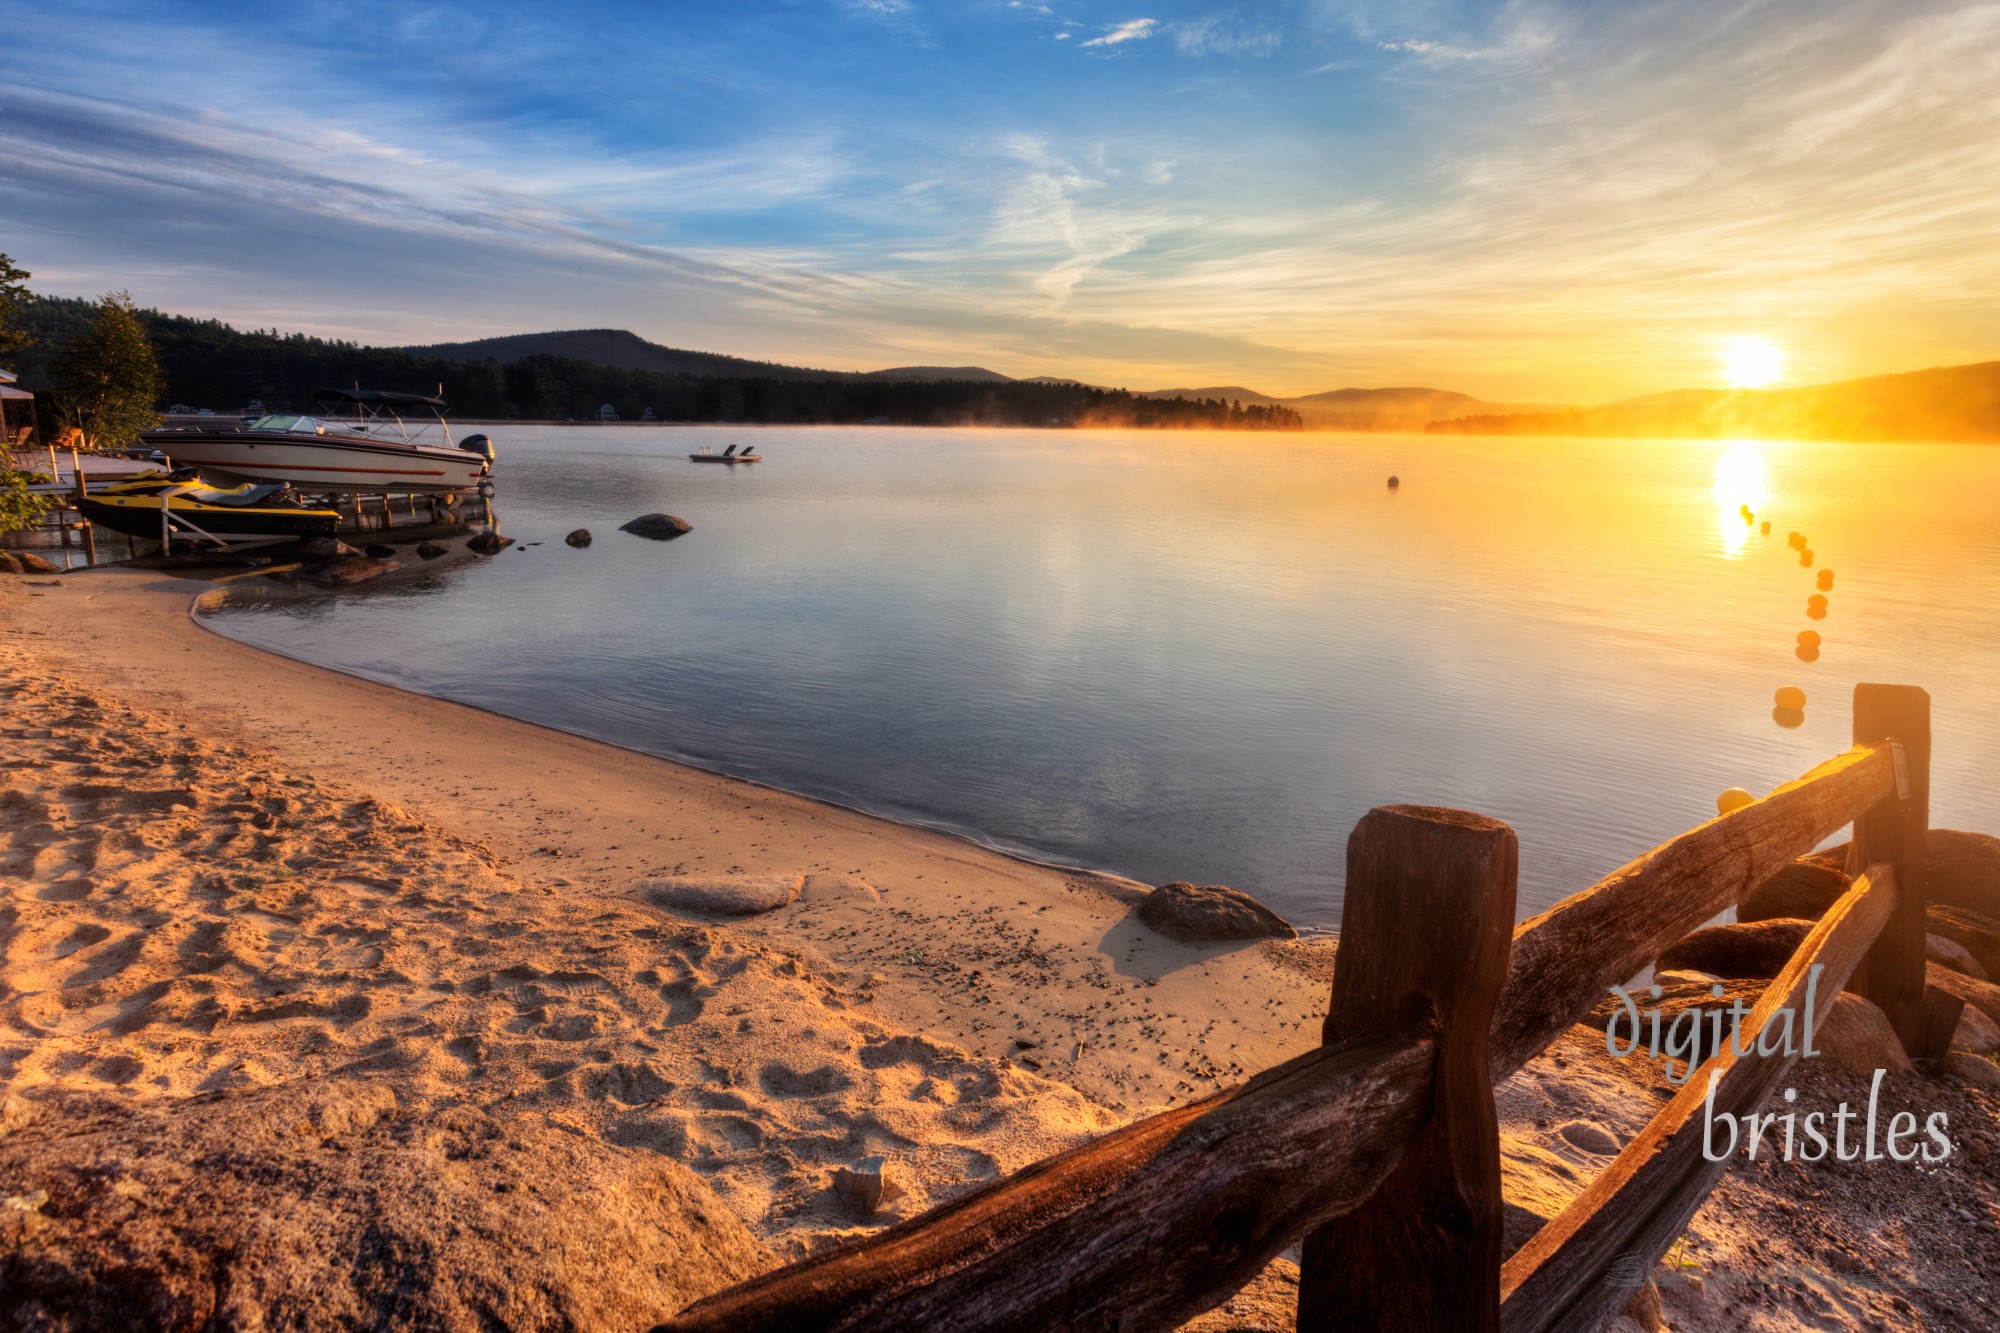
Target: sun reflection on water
[{"x": 1742, "y": 485}]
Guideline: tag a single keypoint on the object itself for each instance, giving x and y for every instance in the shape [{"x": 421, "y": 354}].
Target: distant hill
[
  {"x": 1228, "y": 393},
  {"x": 940, "y": 374},
  {"x": 1957, "y": 404},
  {"x": 620, "y": 349}
]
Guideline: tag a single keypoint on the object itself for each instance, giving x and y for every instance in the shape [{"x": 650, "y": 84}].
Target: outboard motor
[{"x": 478, "y": 444}]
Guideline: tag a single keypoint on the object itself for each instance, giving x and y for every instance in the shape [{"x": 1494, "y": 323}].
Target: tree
[
  {"x": 108, "y": 377},
  {"x": 19, "y": 506},
  {"x": 12, "y": 292}
]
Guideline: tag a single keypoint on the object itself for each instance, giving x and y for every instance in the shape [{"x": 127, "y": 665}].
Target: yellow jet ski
[{"x": 270, "y": 511}]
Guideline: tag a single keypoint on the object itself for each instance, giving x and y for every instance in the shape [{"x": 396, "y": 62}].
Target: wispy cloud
[
  {"x": 1138, "y": 30},
  {"x": 1219, "y": 35},
  {"x": 1437, "y": 50},
  {"x": 1580, "y": 213}
]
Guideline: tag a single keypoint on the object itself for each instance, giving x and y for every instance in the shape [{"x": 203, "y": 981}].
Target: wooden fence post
[
  {"x": 1424, "y": 942},
  {"x": 1898, "y": 831}
]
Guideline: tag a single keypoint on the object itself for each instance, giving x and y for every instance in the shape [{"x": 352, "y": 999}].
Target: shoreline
[
  {"x": 1080, "y": 918},
  {"x": 1112, "y": 879}
]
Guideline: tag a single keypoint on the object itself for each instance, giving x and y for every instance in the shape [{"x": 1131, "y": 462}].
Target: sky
[{"x": 1528, "y": 201}]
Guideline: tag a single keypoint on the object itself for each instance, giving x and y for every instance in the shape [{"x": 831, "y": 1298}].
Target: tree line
[{"x": 206, "y": 363}]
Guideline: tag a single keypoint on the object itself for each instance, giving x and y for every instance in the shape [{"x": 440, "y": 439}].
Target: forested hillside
[{"x": 206, "y": 363}]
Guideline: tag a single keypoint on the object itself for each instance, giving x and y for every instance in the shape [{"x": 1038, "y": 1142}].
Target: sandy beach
[{"x": 236, "y": 882}]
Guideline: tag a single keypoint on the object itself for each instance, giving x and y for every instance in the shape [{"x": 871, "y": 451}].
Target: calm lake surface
[{"x": 1204, "y": 656}]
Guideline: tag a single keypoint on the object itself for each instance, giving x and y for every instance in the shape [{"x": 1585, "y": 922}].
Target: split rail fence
[{"x": 1378, "y": 1153}]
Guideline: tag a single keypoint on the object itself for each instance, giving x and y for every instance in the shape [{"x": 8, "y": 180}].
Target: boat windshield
[{"x": 292, "y": 424}]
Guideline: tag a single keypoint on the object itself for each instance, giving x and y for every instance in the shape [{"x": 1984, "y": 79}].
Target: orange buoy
[
  {"x": 1809, "y": 638},
  {"x": 1805, "y": 652},
  {"x": 1795, "y": 540},
  {"x": 1806, "y": 558},
  {"x": 1733, "y": 798},
  {"x": 1816, "y": 613},
  {"x": 1789, "y": 718},
  {"x": 1765, "y": 527},
  {"x": 1826, "y": 580},
  {"x": 1789, "y": 696}
]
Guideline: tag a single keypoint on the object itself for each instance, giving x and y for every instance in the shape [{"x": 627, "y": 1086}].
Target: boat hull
[
  {"x": 323, "y": 462},
  {"x": 139, "y": 516}
]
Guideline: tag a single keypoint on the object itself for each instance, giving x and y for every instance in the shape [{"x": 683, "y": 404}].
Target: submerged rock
[
  {"x": 581, "y": 537},
  {"x": 380, "y": 550},
  {"x": 431, "y": 550},
  {"x": 1181, "y": 911},
  {"x": 658, "y": 527},
  {"x": 355, "y": 568},
  {"x": 489, "y": 543}
]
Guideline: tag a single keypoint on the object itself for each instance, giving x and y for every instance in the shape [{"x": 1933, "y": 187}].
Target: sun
[{"x": 1752, "y": 363}]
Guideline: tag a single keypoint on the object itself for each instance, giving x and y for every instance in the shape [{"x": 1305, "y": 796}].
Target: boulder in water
[
  {"x": 489, "y": 543},
  {"x": 380, "y": 550},
  {"x": 323, "y": 548},
  {"x": 27, "y": 562},
  {"x": 431, "y": 550},
  {"x": 581, "y": 537},
  {"x": 658, "y": 527},
  {"x": 1198, "y": 915}
]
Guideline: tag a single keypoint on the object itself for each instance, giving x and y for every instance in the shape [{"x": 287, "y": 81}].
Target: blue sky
[{"x": 1522, "y": 200}]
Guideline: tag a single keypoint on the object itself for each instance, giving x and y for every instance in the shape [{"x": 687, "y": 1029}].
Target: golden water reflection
[{"x": 1741, "y": 487}]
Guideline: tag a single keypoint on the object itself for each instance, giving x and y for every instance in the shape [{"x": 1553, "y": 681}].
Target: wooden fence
[{"x": 1378, "y": 1153}]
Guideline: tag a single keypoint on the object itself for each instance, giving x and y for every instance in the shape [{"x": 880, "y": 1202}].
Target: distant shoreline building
[
  {"x": 607, "y": 413},
  {"x": 10, "y": 394}
]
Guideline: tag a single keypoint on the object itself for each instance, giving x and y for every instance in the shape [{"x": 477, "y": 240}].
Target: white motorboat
[{"x": 380, "y": 447}]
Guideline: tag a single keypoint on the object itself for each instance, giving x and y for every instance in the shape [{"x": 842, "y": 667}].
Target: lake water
[{"x": 1204, "y": 656}]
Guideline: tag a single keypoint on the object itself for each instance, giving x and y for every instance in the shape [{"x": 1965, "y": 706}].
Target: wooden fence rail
[
  {"x": 1637, "y": 1206},
  {"x": 1379, "y": 1150}
]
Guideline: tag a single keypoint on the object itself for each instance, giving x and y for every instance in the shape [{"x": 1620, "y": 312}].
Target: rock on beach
[
  {"x": 723, "y": 895},
  {"x": 1198, "y": 915},
  {"x": 1757, "y": 949}
]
